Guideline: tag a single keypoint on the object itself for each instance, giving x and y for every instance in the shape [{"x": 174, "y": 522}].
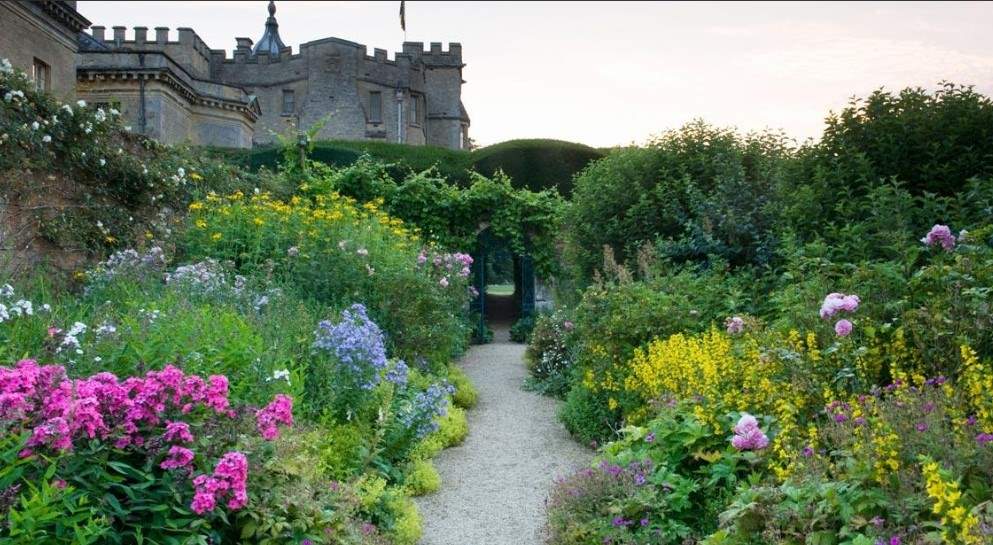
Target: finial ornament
[{"x": 270, "y": 41}]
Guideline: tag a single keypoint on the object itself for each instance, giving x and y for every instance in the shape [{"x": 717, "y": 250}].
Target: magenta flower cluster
[
  {"x": 748, "y": 435},
  {"x": 279, "y": 411},
  {"x": 942, "y": 235},
  {"x": 229, "y": 480},
  {"x": 835, "y": 303},
  {"x": 59, "y": 410}
]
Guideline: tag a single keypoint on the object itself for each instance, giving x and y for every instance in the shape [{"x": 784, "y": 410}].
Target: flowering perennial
[
  {"x": 229, "y": 480},
  {"x": 942, "y": 235},
  {"x": 747, "y": 435},
  {"x": 357, "y": 343},
  {"x": 279, "y": 411}
]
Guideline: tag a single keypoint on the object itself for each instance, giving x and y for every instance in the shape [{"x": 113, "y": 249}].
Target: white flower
[
  {"x": 46, "y": 139},
  {"x": 34, "y": 125},
  {"x": 4, "y": 316},
  {"x": 181, "y": 172},
  {"x": 6, "y": 67},
  {"x": 97, "y": 359},
  {"x": 100, "y": 116},
  {"x": 81, "y": 103},
  {"x": 102, "y": 162},
  {"x": 23, "y": 307},
  {"x": 6, "y": 290},
  {"x": 114, "y": 111},
  {"x": 283, "y": 374},
  {"x": 7, "y": 97},
  {"x": 127, "y": 128},
  {"x": 106, "y": 328},
  {"x": 46, "y": 307},
  {"x": 67, "y": 109}
]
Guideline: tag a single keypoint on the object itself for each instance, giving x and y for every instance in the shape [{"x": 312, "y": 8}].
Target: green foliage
[
  {"x": 87, "y": 185},
  {"x": 587, "y": 417},
  {"x": 932, "y": 141},
  {"x": 466, "y": 396},
  {"x": 700, "y": 191},
  {"x": 521, "y": 330},
  {"x": 536, "y": 164},
  {"x": 549, "y": 356},
  {"x": 422, "y": 478},
  {"x": 654, "y": 485}
]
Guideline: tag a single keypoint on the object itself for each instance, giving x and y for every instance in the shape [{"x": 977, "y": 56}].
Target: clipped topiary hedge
[{"x": 536, "y": 163}]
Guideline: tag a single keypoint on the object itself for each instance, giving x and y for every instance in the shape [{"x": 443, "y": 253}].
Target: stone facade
[
  {"x": 197, "y": 94},
  {"x": 162, "y": 88},
  {"x": 40, "y": 38},
  {"x": 181, "y": 90}
]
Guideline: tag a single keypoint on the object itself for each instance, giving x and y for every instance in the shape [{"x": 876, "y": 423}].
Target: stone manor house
[{"x": 180, "y": 90}]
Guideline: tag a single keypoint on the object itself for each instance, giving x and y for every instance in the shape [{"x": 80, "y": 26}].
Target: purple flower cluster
[
  {"x": 747, "y": 435},
  {"x": 420, "y": 414},
  {"x": 357, "y": 343},
  {"x": 940, "y": 234},
  {"x": 734, "y": 325},
  {"x": 839, "y": 302}
]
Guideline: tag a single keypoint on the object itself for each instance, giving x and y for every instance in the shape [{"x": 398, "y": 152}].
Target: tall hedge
[{"x": 536, "y": 164}]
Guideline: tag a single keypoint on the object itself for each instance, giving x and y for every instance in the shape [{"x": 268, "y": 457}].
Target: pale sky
[{"x": 614, "y": 73}]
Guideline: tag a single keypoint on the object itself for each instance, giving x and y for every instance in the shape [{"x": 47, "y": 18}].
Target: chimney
[{"x": 161, "y": 34}]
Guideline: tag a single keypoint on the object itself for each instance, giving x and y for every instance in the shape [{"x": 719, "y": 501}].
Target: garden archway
[{"x": 500, "y": 308}]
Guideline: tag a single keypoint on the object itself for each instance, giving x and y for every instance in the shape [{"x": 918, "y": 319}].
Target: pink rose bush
[
  {"x": 836, "y": 303},
  {"x": 59, "y": 413},
  {"x": 941, "y": 235},
  {"x": 446, "y": 266}
]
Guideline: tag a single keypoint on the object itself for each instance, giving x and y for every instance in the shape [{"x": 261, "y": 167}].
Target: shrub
[
  {"x": 549, "y": 356},
  {"x": 422, "y": 478},
  {"x": 536, "y": 164},
  {"x": 700, "y": 190},
  {"x": 466, "y": 396},
  {"x": 926, "y": 139},
  {"x": 521, "y": 330}
]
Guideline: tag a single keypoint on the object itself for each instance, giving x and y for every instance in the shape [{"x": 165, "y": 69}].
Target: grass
[{"x": 500, "y": 289}]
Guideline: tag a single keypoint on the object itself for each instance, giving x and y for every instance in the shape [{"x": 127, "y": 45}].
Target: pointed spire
[{"x": 270, "y": 41}]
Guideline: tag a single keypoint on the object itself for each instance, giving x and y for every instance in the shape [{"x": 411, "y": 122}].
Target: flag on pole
[{"x": 403, "y": 16}]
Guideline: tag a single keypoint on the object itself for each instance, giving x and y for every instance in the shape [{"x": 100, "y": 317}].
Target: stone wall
[
  {"x": 178, "y": 107},
  {"x": 27, "y": 32}
]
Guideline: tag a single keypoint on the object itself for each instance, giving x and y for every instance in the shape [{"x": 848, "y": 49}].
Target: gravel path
[{"x": 494, "y": 485}]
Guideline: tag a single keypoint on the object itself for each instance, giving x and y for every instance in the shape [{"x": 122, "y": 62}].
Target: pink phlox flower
[
  {"x": 734, "y": 325},
  {"x": 177, "y": 432},
  {"x": 179, "y": 457},
  {"x": 279, "y": 411}
]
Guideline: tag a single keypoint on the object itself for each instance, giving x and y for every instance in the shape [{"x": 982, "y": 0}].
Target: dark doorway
[{"x": 505, "y": 282}]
